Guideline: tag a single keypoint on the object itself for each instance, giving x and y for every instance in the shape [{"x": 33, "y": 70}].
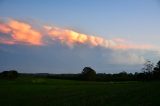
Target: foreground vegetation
[{"x": 34, "y": 91}]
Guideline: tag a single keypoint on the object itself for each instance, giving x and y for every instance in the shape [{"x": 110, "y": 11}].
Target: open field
[{"x": 52, "y": 92}]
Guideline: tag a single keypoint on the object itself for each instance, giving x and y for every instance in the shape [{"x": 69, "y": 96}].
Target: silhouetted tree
[
  {"x": 88, "y": 74},
  {"x": 148, "y": 66},
  {"x": 156, "y": 72},
  {"x": 147, "y": 73},
  {"x": 12, "y": 74}
]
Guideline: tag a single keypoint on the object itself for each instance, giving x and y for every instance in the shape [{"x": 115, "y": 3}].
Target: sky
[{"x": 64, "y": 36}]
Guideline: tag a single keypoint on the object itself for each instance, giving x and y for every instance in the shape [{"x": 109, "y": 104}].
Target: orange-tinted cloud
[
  {"x": 71, "y": 38},
  {"x": 4, "y": 28},
  {"x": 21, "y": 32}
]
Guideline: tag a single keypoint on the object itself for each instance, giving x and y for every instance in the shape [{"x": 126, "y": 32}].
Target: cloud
[
  {"x": 4, "y": 28},
  {"x": 72, "y": 38},
  {"x": 25, "y": 33},
  {"x": 50, "y": 49},
  {"x": 20, "y": 32},
  {"x": 6, "y": 41}
]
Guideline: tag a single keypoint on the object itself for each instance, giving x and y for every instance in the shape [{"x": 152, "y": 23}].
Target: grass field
[{"x": 52, "y": 92}]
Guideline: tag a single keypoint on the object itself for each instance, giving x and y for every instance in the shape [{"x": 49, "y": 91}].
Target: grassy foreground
[{"x": 52, "y": 92}]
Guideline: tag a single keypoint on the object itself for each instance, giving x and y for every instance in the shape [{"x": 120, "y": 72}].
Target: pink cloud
[
  {"x": 21, "y": 32},
  {"x": 24, "y": 33}
]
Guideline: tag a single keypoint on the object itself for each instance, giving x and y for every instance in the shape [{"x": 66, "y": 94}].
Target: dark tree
[
  {"x": 12, "y": 74},
  {"x": 148, "y": 66},
  {"x": 147, "y": 71},
  {"x": 88, "y": 74},
  {"x": 156, "y": 72},
  {"x": 157, "y": 66}
]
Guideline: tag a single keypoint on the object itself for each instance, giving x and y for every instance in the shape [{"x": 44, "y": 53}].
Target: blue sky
[{"x": 137, "y": 21}]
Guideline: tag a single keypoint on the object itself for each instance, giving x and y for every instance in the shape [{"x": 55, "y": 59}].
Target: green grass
[{"x": 52, "y": 92}]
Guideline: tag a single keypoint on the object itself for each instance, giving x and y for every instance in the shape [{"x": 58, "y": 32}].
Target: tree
[
  {"x": 88, "y": 74},
  {"x": 12, "y": 74},
  {"x": 148, "y": 66},
  {"x": 156, "y": 72},
  {"x": 157, "y": 66},
  {"x": 147, "y": 71}
]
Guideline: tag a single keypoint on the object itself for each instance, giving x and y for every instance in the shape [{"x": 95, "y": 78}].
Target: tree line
[{"x": 149, "y": 72}]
